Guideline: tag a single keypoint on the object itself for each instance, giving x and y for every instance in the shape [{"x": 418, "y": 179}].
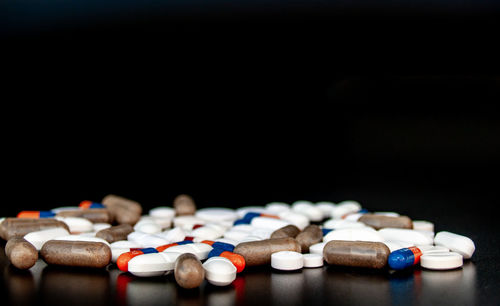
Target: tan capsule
[
  {"x": 188, "y": 271},
  {"x": 18, "y": 227},
  {"x": 21, "y": 253},
  {"x": 184, "y": 205},
  {"x": 360, "y": 254},
  {"x": 287, "y": 231},
  {"x": 94, "y": 215},
  {"x": 115, "y": 233},
  {"x": 122, "y": 210},
  {"x": 257, "y": 253},
  {"x": 312, "y": 234},
  {"x": 381, "y": 221},
  {"x": 76, "y": 253}
]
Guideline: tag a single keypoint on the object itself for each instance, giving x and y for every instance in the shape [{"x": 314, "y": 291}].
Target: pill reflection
[
  {"x": 20, "y": 286},
  {"x": 131, "y": 290},
  {"x": 219, "y": 296},
  {"x": 287, "y": 287}
]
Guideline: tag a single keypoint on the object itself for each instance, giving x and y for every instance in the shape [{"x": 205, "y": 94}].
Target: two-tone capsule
[
  {"x": 248, "y": 217},
  {"x": 90, "y": 204},
  {"x": 404, "y": 258},
  {"x": 33, "y": 214}
]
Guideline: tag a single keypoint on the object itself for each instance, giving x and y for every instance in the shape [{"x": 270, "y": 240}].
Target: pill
[
  {"x": 148, "y": 226},
  {"x": 404, "y": 258},
  {"x": 38, "y": 238},
  {"x": 312, "y": 234},
  {"x": 100, "y": 226},
  {"x": 277, "y": 207},
  {"x": 184, "y": 205},
  {"x": 354, "y": 234},
  {"x": 152, "y": 264},
  {"x": 187, "y": 222},
  {"x": 313, "y": 260},
  {"x": 21, "y": 253},
  {"x": 206, "y": 232},
  {"x": 456, "y": 243},
  {"x": 90, "y": 204},
  {"x": 344, "y": 208},
  {"x": 162, "y": 248},
  {"x": 412, "y": 237},
  {"x": 423, "y": 225},
  {"x": 217, "y": 214},
  {"x": 120, "y": 247},
  {"x": 175, "y": 234},
  {"x": 361, "y": 254},
  {"x": 394, "y": 245},
  {"x": 123, "y": 259},
  {"x": 200, "y": 250},
  {"x": 188, "y": 271},
  {"x": 259, "y": 252},
  {"x": 317, "y": 248},
  {"x": 162, "y": 212},
  {"x": 35, "y": 214},
  {"x": 11, "y": 227},
  {"x": 249, "y": 216},
  {"x": 242, "y": 211},
  {"x": 236, "y": 259},
  {"x": 269, "y": 223},
  {"x": 342, "y": 223},
  {"x": 308, "y": 209},
  {"x": 299, "y": 220},
  {"x": 94, "y": 215},
  {"x": 219, "y": 271},
  {"x": 433, "y": 249},
  {"x": 326, "y": 208},
  {"x": 76, "y": 253},
  {"x": 147, "y": 240},
  {"x": 287, "y": 260},
  {"x": 122, "y": 210},
  {"x": 441, "y": 261},
  {"x": 115, "y": 233},
  {"x": 381, "y": 221},
  {"x": 286, "y": 231},
  {"x": 77, "y": 225}
]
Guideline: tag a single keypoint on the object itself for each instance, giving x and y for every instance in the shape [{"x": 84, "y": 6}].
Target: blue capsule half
[{"x": 401, "y": 259}]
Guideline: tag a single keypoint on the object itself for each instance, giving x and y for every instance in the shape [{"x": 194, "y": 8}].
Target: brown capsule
[
  {"x": 115, "y": 233},
  {"x": 257, "y": 253},
  {"x": 381, "y": 221},
  {"x": 287, "y": 231},
  {"x": 94, "y": 215},
  {"x": 360, "y": 254},
  {"x": 18, "y": 227},
  {"x": 76, "y": 253},
  {"x": 188, "y": 271},
  {"x": 21, "y": 253},
  {"x": 312, "y": 234},
  {"x": 122, "y": 210},
  {"x": 184, "y": 205}
]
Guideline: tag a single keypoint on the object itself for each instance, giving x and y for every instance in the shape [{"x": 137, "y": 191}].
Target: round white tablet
[
  {"x": 317, "y": 248},
  {"x": 313, "y": 260},
  {"x": 287, "y": 260},
  {"x": 423, "y": 225},
  {"x": 457, "y": 243},
  {"x": 441, "y": 261},
  {"x": 219, "y": 271}
]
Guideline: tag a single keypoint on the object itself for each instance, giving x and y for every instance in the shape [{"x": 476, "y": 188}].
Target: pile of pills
[{"x": 217, "y": 243}]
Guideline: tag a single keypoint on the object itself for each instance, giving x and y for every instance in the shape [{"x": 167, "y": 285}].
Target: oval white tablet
[
  {"x": 405, "y": 235},
  {"x": 162, "y": 212},
  {"x": 354, "y": 234},
  {"x": 345, "y": 207},
  {"x": 434, "y": 249},
  {"x": 187, "y": 222},
  {"x": 174, "y": 235},
  {"x": 287, "y": 260},
  {"x": 277, "y": 207},
  {"x": 341, "y": 223},
  {"x": 38, "y": 238},
  {"x": 352, "y": 216},
  {"x": 205, "y": 233},
  {"x": 153, "y": 264},
  {"x": 216, "y": 214},
  {"x": 441, "y": 261},
  {"x": 317, "y": 248},
  {"x": 236, "y": 235},
  {"x": 262, "y": 233},
  {"x": 269, "y": 223},
  {"x": 457, "y": 243},
  {"x": 219, "y": 271},
  {"x": 294, "y": 218},
  {"x": 200, "y": 250},
  {"x": 326, "y": 208},
  {"x": 77, "y": 225},
  {"x": 423, "y": 225},
  {"x": 313, "y": 260}
]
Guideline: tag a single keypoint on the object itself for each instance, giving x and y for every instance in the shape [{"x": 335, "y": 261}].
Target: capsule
[
  {"x": 237, "y": 260},
  {"x": 76, "y": 253},
  {"x": 312, "y": 234},
  {"x": 28, "y": 214},
  {"x": 257, "y": 253},
  {"x": 381, "y": 221},
  {"x": 162, "y": 248},
  {"x": 122, "y": 210},
  {"x": 188, "y": 271},
  {"x": 21, "y": 253},
  {"x": 184, "y": 205},
  {"x": 115, "y": 233},
  {"x": 90, "y": 204},
  {"x": 248, "y": 217},
  {"x": 219, "y": 245},
  {"x": 360, "y": 254},
  {"x": 123, "y": 259},
  {"x": 94, "y": 215},
  {"x": 287, "y": 231},
  {"x": 12, "y": 227},
  {"x": 404, "y": 258}
]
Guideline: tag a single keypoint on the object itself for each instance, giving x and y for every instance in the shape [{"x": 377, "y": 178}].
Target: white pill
[
  {"x": 216, "y": 214},
  {"x": 441, "y": 261},
  {"x": 434, "y": 249},
  {"x": 200, "y": 250},
  {"x": 243, "y": 228},
  {"x": 148, "y": 227},
  {"x": 219, "y": 271},
  {"x": 147, "y": 240},
  {"x": 354, "y": 234},
  {"x": 313, "y": 260},
  {"x": 262, "y": 233},
  {"x": 153, "y": 264},
  {"x": 326, "y": 208},
  {"x": 456, "y": 243},
  {"x": 277, "y": 207},
  {"x": 394, "y": 245},
  {"x": 228, "y": 241},
  {"x": 287, "y": 260},
  {"x": 100, "y": 226},
  {"x": 77, "y": 225},
  {"x": 340, "y": 224},
  {"x": 242, "y": 211},
  {"x": 314, "y": 214},
  {"x": 423, "y": 225},
  {"x": 174, "y": 235},
  {"x": 205, "y": 233},
  {"x": 236, "y": 235},
  {"x": 39, "y": 238},
  {"x": 405, "y": 235},
  {"x": 249, "y": 238},
  {"x": 162, "y": 212},
  {"x": 344, "y": 208},
  {"x": 269, "y": 223},
  {"x": 352, "y": 216},
  {"x": 124, "y": 244},
  {"x": 294, "y": 218},
  {"x": 163, "y": 222},
  {"x": 64, "y": 208},
  {"x": 317, "y": 248},
  {"x": 187, "y": 222},
  {"x": 220, "y": 228},
  {"x": 81, "y": 238}
]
